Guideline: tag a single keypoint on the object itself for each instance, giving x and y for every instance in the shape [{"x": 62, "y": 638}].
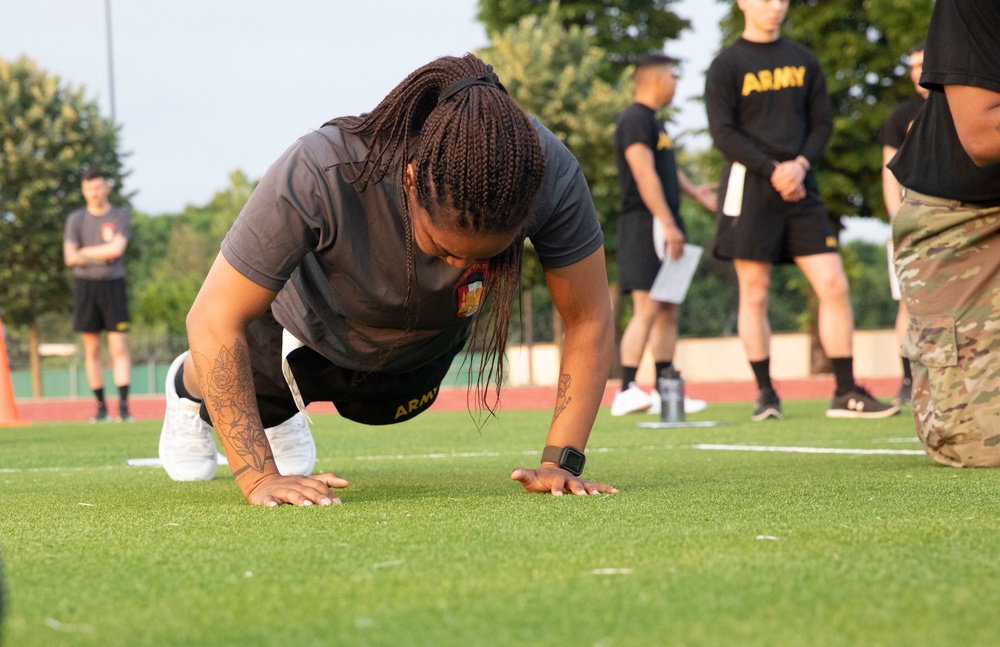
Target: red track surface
[{"x": 454, "y": 399}]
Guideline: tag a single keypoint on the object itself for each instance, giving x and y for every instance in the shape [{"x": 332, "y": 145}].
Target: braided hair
[{"x": 475, "y": 153}]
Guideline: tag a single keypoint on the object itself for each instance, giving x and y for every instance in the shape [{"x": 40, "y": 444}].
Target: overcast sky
[{"x": 206, "y": 87}]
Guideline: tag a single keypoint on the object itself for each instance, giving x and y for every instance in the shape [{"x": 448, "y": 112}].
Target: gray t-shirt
[
  {"x": 87, "y": 230},
  {"x": 338, "y": 256}
]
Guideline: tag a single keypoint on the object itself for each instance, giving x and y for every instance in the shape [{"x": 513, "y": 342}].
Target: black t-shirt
[
  {"x": 899, "y": 122},
  {"x": 767, "y": 103},
  {"x": 638, "y": 125},
  {"x": 963, "y": 48}
]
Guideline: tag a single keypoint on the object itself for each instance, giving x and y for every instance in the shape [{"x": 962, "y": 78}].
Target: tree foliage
[
  {"x": 624, "y": 29},
  {"x": 49, "y": 134},
  {"x": 551, "y": 71},
  {"x": 172, "y": 256},
  {"x": 862, "y": 46}
]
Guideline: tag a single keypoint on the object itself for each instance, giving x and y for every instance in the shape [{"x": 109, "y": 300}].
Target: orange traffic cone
[{"x": 8, "y": 411}]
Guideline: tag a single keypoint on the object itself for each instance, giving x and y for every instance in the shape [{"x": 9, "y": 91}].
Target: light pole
[{"x": 111, "y": 62}]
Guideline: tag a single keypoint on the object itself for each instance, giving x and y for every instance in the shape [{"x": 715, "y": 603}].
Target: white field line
[
  {"x": 154, "y": 463},
  {"x": 808, "y": 450}
]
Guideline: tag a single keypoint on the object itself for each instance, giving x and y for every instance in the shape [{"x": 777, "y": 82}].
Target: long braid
[{"x": 474, "y": 152}]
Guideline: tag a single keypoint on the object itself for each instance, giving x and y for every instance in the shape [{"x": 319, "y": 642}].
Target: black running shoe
[
  {"x": 123, "y": 414},
  {"x": 768, "y": 406},
  {"x": 905, "y": 393},
  {"x": 102, "y": 414},
  {"x": 859, "y": 403}
]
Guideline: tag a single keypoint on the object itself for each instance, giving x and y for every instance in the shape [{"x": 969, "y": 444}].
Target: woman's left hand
[{"x": 556, "y": 481}]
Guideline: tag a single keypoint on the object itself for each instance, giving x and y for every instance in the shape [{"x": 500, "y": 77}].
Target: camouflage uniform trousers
[{"x": 948, "y": 263}]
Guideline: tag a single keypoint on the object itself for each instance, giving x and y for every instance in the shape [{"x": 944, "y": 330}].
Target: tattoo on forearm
[
  {"x": 229, "y": 395},
  {"x": 562, "y": 397}
]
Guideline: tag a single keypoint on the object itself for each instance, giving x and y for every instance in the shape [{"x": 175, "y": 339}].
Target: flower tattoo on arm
[
  {"x": 562, "y": 396},
  {"x": 229, "y": 395}
]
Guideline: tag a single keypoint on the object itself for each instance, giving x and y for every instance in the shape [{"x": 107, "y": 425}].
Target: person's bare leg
[
  {"x": 121, "y": 364},
  {"x": 825, "y": 273},
  {"x": 636, "y": 333},
  {"x": 663, "y": 332},
  {"x": 753, "y": 326},
  {"x": 92, "y": 359}
]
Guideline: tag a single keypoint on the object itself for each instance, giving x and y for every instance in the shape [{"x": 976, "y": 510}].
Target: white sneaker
[
  {"x": 187, "y": 449},
  {"x": 631, "y": 400},
  {"x": 690, "y": 404},
  {"x": 293, "y": 447},
  {"x": 694, "y": 406}
]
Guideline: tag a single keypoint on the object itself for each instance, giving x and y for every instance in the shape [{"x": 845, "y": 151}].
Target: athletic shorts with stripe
[
  {"x": 368, "y": 397},
  {"x": 770, "y": 230},
  {"x": 948, "y": 263},
  {"x": 638, "y": 262}
]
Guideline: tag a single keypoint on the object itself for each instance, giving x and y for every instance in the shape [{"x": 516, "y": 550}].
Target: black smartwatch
[{"x": 569, "y": 458}]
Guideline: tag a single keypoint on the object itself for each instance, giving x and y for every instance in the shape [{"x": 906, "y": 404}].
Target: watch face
[{"x": 572, "y": 461}]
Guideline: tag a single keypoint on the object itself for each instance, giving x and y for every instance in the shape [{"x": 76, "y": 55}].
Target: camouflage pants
[{"x": 948, "y": 263}]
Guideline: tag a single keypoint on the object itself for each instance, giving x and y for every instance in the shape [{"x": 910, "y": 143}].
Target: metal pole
[{"x": 111, "y": 63}]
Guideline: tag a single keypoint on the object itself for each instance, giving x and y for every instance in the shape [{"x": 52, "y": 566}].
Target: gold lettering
[
  {"x": 400, "y": 412},
  {"x": 800, "y": 75},
  {"x": 750, "y": 84},
  {"x": 765, "y": 80},
  {"x": 414, "y": 405},
  {"x": 783, "y": 78}
]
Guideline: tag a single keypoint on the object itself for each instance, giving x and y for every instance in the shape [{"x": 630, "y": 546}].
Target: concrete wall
[{"x": 721, "y": 359}]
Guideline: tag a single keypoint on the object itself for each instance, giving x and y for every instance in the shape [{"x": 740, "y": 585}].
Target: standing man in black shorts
[
  {"x": 770, "y": 115},
  {"x": 94, "y": 246},
  {"x": 651, "y": 185},
  {"x": 893, "y": 134}
]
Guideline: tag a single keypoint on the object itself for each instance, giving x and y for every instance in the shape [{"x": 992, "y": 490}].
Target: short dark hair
[
  {"x": 93, "y": 174},
  {"x": 918, "y": 47},
  {"x": 652, "y": 60}
]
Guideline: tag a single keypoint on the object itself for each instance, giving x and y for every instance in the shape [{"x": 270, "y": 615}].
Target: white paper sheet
[{"x": 674, "y": 278}]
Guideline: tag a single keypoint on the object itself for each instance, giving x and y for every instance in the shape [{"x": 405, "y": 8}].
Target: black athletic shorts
[
  {"x": 100, "y": 305},
  {"x": 638, "y": 262},
  {"x": 365, "y": 397},
  {"x": 771, "y": 230}
]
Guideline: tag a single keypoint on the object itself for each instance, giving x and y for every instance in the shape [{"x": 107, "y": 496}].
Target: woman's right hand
[{"x": 297, "y": 490}]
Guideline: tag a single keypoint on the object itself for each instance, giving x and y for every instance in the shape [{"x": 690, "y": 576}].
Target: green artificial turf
[{"x": 435, "y": 546}]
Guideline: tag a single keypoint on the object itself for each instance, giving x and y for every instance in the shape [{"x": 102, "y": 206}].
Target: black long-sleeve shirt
[{"x": 767, "y": 103}]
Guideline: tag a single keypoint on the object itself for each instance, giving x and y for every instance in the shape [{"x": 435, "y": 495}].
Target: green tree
[
  {"x": 172, "y": 256},
  {"x": 551, "y": 71},
  {"x": 861, "y": 45},
  {"x": 624, "y": 29},
  {"x": 49, "y": 134}
]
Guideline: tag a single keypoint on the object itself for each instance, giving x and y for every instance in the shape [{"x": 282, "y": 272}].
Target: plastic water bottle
[{"x": 671, "y": 388}]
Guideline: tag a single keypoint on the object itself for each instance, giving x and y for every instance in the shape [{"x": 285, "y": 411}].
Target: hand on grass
[
  {"x": 556, "y": 481},
  {"x": 297, "y": 490}
]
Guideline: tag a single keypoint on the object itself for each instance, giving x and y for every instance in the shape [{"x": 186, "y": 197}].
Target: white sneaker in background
[
  {"x": 655, "y": 403},
  {"x": 694, "y": 406},
  {"x": 293, "y": 446},
  {"x": 187, "y": 449},
  {"x": 631, "y": 400},
  {"x": 690, "y": 404}
]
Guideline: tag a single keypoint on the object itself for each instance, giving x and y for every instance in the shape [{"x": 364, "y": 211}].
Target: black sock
[
  {"x": 99, "y": 394},
  {"x": 762, "y": 372},
  {"x": 907, "y": 374},
  {"x": 843, "y": 373},
  {"x": 663, "y": 366},
  {"x": 123, "y": 394},
  {"x": 628, "y": 375},
  {"x": 179, "y": 386}
]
